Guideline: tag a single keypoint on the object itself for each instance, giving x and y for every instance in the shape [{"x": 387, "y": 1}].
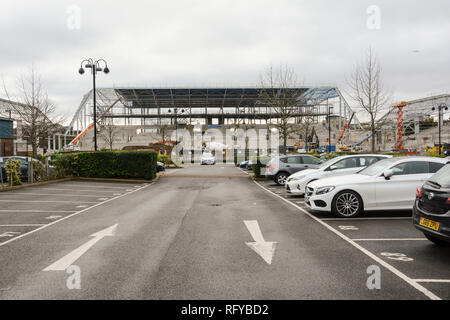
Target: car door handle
[{"x": 288, "y": 166}]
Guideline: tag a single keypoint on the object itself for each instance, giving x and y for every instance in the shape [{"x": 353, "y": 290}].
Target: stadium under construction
[
  {"x": 141, "y": 113},
  {"x": 144, "y": 116}
]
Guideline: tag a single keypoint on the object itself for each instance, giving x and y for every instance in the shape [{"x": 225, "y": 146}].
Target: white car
[
  {"x": 343, "y": 165},
  {"x": 208, "y": 158},
  {"x": 389, "y": 184}
]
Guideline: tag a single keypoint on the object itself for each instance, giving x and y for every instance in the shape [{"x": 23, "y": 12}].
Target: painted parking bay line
[
  {"x": 433, "y": 280},
  {"x": 73, "y": 189},
  {"x": 97, "y": 187},
  {"x": 66, "y": 261},
  {"x": 38, "y": 211},
  {"x": 393, "y": 239},
  {"x": 374, "y": 257},
  {"x": 44, "y": 201},
  {"x": 362, "y": 219},
  {"x": 55, "y": 194},
  {"x": 23, "y": 225},
  {"x": 97, "y": 204}
]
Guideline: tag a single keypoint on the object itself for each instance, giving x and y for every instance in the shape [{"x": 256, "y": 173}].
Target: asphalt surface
[{"x": 184, "y": 237}]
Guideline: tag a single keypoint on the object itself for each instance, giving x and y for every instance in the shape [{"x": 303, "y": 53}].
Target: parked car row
[
  {"x": 350, "y": 185},
  {"x": 389, "y": 184}
]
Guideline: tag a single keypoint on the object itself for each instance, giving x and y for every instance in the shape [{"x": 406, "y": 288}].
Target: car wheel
[
  {"x": 280, "y": 178},
  {"x": 347, "y": 204},
  {"x": 436, "y": 240}
]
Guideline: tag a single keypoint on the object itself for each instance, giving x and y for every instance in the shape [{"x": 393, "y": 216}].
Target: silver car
[{"x": 281, "y": 167}]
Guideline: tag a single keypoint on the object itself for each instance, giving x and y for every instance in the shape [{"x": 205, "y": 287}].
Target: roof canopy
[{"x": 213, "y": 97}]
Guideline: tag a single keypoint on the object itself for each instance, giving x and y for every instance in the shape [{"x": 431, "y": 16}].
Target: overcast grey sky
[{"x": 226, "y": 42}]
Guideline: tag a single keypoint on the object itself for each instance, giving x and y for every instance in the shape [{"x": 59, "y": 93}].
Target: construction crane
[
  {"x": 341, "y": 136},
  {"x": 363, "y": 140},
  {"x": 400, "y": 107},
  {"x": 78, "y": 137},
  {"x": 345, "y": 129}
]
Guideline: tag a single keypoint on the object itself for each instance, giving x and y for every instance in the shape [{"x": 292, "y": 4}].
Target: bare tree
[
  {"x": 279, "y": 93},
  {"x": 164, "y": 131},
  {"x": 369, "y": 92},
  {"x": 306, "y": 126},
  {"x": 108, "y": 133},
  {"x": 34, "y": 109}
]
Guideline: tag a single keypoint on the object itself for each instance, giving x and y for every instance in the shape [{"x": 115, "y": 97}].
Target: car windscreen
[
  {"x": 328, "y": 162},
  {"x": 378, "y": 167},
  {"x": 442, "y": 177}
]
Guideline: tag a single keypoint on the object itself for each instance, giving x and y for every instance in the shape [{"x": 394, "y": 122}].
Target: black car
[
  {"x": 24, "y": 165},
  {"x": 160, "y": 166},
  {"x": 23, "y": 168},
  {"x": 431, "y": 212}
]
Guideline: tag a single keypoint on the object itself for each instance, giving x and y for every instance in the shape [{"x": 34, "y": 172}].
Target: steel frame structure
[
  {"x": 412, "y": 113},
  {"x": 149, "y": 107}
]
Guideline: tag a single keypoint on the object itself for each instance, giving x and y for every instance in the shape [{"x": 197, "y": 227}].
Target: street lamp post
[
  {"x": 175, "y": 112},
  {"x": 440, "y": 108},
  {"x": 95, "y": 67},
  {"x": 329, "y": 128}
]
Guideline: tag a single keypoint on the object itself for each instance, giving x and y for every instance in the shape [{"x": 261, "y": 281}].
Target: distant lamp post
[
  {"x": 330, "y": 109},
  {"x": 95, "y": 66},
  {"x": 440, "y": 109},
  {"x": 175, "y": 112}
]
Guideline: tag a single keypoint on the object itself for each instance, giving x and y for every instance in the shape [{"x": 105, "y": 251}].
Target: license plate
[{"x": 430, "y": 224}]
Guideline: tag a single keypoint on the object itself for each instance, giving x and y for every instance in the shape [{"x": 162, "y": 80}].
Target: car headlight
[{"x": 324, "y": 190}]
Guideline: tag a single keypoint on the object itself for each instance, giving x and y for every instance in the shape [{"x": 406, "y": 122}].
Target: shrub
[
  {"x": 123, "y": 164},
  {"x": 258, "y": 163},
  {"x": 101, "y": 164},
  {"x": 38, "y": 171},
  {"x": 138, "y": 164},
  {"x": 12, "y": 168},
  {"x": 65, "y": 164},
  {"x": 435, "y": 154},
  {"x": 164, "y": 159}
]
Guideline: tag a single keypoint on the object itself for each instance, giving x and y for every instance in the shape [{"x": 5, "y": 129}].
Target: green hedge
[
  {"x": 66, "y": 164},
  {"x": 107, "y": 164},
  {"x": 258, "y": 163},
  {"x": 165, "y": 159}
]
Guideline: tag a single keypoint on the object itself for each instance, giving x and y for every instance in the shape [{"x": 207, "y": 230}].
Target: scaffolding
[
  {"x": 154, "y": 107},
  {"x": 419, "y": 125}
]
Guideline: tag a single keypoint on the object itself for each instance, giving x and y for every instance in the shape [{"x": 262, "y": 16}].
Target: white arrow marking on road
[
  {"x": 66, "y": 261},
  {"x": 265, "y": 249}
]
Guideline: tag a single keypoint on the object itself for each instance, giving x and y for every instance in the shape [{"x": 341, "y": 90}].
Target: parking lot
[
  {"x": 30, "y": 209},
  {"x": 389, "y": 236},
  {"x": 194, "y": 234}
]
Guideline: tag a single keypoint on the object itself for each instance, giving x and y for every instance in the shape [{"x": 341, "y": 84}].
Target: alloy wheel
[
  {"x": 281, "y": 178},
  {"x": 347, "y": 204}
]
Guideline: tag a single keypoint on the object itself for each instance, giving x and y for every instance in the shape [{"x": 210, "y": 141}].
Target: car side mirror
[
  {"x": 388, "y": 173},
  {"x": 333, "y": 167}
]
